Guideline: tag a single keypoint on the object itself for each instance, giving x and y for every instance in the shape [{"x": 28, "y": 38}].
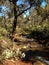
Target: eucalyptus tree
[{"x": 20, "y": 6}]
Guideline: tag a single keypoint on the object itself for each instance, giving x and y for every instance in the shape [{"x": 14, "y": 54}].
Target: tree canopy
[{"x": 24, "y": 8}]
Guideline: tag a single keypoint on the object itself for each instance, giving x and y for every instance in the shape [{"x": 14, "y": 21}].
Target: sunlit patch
[
  {"x": 23, "y": 55},
  {"x": 43, "y": 4},
  {"x": 24, "y": 16},
  {"x": 26, "y": 13}
]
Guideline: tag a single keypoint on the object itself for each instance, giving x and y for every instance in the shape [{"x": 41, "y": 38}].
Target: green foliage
[
  {"x": 3, "y": 31},
  {"x": 7, "y": 54},
  {"x": 44, "y": 28}
]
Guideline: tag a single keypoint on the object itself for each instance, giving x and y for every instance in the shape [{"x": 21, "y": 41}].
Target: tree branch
[{"x": 23, "y": 11}]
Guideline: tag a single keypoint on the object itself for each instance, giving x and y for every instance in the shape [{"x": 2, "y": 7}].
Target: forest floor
[{"x": 25, "y": 44}]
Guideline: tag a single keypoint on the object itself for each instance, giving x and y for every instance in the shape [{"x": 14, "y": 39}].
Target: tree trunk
[
  {"x": 15, "y": 21},
  {"x": 15, "y": 18},
  {"x": 15, "y": 15}
]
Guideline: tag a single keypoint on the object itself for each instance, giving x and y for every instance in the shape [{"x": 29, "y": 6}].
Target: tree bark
[
  {"x": 15, "y": 20},
  {"x": 15, "y": 16}
]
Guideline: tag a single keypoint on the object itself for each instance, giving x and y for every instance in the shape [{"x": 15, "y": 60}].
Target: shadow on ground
[{"x": 39, "y": 36}]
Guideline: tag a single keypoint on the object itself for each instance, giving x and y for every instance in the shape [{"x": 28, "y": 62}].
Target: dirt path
[
  {"x": 19, "y": 62},
  {"x": 24, "y": 43}
]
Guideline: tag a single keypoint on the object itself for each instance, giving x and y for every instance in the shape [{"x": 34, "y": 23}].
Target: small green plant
[{"x": 7, "y": 54}]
